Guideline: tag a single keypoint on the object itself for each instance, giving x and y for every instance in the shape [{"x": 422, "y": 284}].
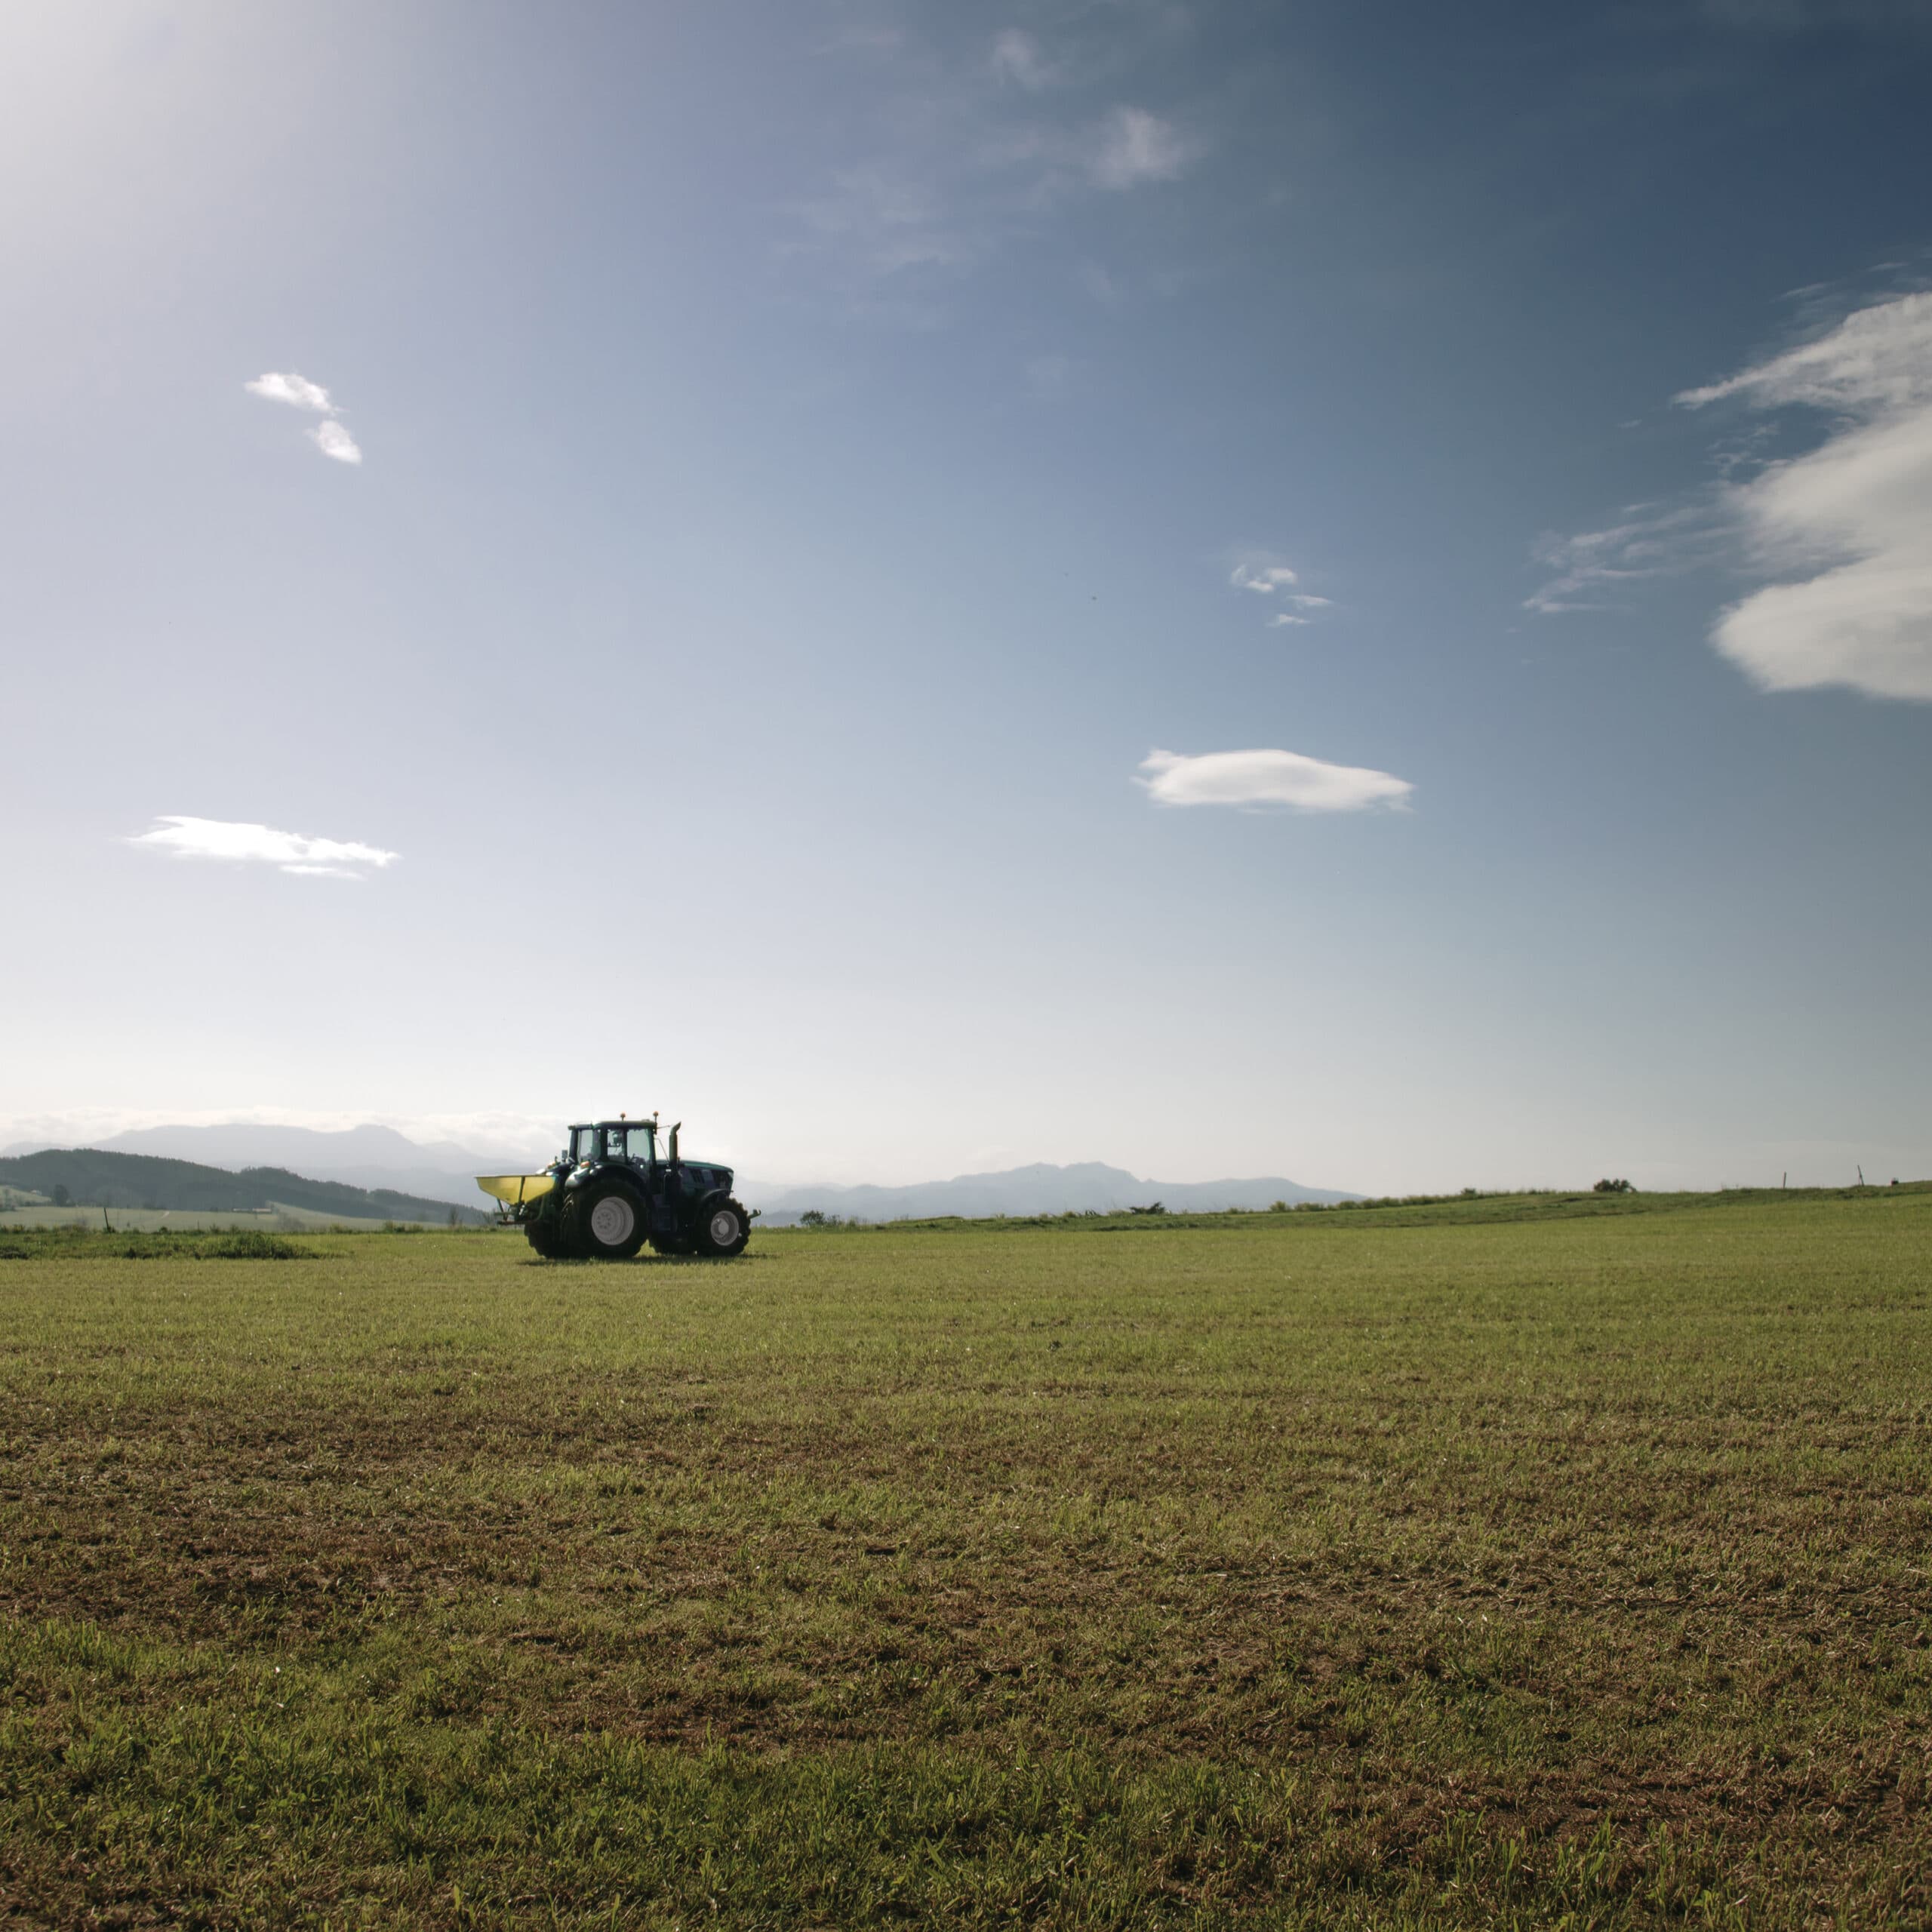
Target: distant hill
[
  {"x": 377, "y": 1164},
  {"x": 373, "y": 1157},
  {"x": 1038, "y": 1190},
  {"x": 94, "y": 1177}
]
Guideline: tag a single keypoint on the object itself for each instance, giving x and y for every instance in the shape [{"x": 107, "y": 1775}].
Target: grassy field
[
  {"x": 151, "y": 1220},
  {"x": 1495, "y": 1564}
]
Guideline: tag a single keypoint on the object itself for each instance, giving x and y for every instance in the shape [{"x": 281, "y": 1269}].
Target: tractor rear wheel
[
  {"x": 724, "y": 1230},
  {"x": 605, "y": 1221},
  {"x": 542, "y": 1235}
]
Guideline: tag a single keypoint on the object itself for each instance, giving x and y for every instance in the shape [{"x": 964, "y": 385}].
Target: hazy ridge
[
  {"x": 1040, "y": 1189},
  {"x": 380, "y": 1161},
  {"x": 94, "y": 1178}
]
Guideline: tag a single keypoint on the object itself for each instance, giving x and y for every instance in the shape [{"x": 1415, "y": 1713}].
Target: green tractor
[{"x": 613, "y": 1190}]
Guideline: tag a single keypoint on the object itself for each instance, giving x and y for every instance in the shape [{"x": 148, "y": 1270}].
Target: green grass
[
  {"x": 70, "y": 1243},
  {"x": 281, "y": 1218},
  {"x": 1403, "y": 1567}
]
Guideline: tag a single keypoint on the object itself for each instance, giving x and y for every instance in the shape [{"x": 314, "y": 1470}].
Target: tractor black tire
[
  {"x": 724, "y": 1229},
  {"x": 671, "y": 1243},
  {"x": 546, "y": 1236},
  {"x": 605, "y": 1220}
]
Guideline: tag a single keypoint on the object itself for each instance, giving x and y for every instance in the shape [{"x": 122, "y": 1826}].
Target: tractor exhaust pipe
[{"x": 674, "y": 1126}]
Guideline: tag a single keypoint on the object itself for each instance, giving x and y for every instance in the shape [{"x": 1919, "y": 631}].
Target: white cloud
[
  {"x": 333, "y": 440},
  {"x": 1847, "y": 526},
  {"x": 1267, "y": 580},
  {"x": 1269, "y": 778},
  {"x": 290, "y": 851},
  {"x": 331, "y": 437},
  {"x": 292, "y": 388},
  {"x": 1017, "y": 58},
  {"x": 1135, "y": 146}
]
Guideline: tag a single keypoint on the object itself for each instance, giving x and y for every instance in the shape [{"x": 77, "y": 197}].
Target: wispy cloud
[
  {"x": 1016, "y": 57},
  {"x": 1269, "y": 778},
  {"x": 260, "y": 845},
  {"x": 1879, "y": 357},
  {"x": 975, "y": 180},
  {"x": 292, "y": 388},
  {"x": 332, "y": 439},
  {"x": 1847, "y": 527},
  {"x": 886, "y": 222},
  {"x": 1648, "y": 540},
  {"x": 1135, "y": 147},
  {"x": 1268, "y": 579},
  {"x": 954, "y": 160},
  {"x": 1106, "y": 288}
]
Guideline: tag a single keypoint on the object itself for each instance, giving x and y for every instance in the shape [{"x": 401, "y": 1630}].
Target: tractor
[{"x": 613, "y": 1188}]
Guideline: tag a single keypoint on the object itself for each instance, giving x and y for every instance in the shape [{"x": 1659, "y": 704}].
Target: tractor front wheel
[
  {"x": 724, "y": 1230},
  {"x": 604, "y": 1221}
]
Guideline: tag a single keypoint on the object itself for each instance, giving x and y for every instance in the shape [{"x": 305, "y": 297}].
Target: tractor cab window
[
  {"x": 639, "y": 1139},
  {"x": 583, "y": 1144}
]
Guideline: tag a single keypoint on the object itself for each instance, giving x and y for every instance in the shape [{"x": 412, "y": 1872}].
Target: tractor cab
[{"x": 632, "y": 1140}]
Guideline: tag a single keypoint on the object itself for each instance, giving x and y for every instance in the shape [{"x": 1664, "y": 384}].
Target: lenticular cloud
[
  {"x": 1269, "y": 778},
  {"x": 261, "y": 844}
]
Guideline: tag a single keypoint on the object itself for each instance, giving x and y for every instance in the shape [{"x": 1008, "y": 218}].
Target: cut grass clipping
[{"x": 1297, "y": 1570}]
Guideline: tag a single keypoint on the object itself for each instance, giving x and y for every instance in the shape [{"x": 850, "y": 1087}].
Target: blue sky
[{"x": 1341, "y": 591}]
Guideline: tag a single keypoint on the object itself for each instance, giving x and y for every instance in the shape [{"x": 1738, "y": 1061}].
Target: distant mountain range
[
  {"x": 90, "y": 1178},
  {"x": 437, "y": 1173},
  {"x": 1038, "y": 1190},
  {"x": 373, "y": 1157}
]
